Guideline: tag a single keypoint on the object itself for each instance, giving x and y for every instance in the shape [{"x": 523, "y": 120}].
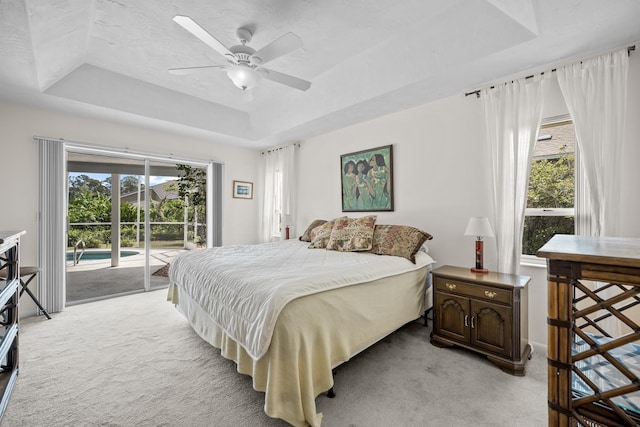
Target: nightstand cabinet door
[
  {"x": 492, "y": 326},
  {"x": 453, "y": 316}
]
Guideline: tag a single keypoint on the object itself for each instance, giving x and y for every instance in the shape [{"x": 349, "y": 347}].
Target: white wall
[
  {"x": 19, "y": 169},
  {"x": 440, "y": 173},
  {"x": 441, "y": 178}
]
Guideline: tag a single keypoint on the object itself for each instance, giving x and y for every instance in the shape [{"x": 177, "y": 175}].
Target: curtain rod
[
  {"x": 279, "y": 148},
  {"x": 477, "y": 92},
  {"x": 97, "y": 149}
]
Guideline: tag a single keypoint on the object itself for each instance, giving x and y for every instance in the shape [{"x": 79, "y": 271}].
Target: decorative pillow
[
  {"x": 352, "y": 234},
  {"x": 306, "y": 236},
  {"x": 321, "y": 234},
  {"x": 398, "y": 240}
]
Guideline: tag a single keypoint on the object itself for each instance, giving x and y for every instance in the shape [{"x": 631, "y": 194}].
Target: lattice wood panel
[{"x": 605, "y": 353}]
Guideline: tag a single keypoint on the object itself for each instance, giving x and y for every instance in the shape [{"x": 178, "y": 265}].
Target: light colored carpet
[{"x": 134, "y": 361}]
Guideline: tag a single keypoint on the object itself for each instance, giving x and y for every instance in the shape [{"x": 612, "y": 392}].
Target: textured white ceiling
[{"x": 365, "y": 58}]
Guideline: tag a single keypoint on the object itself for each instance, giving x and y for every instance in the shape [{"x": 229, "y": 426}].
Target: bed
[{"x": 288, "y": 315}]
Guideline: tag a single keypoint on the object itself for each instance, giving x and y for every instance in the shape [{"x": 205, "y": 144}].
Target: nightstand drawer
[{"x": 471, "y": 290}]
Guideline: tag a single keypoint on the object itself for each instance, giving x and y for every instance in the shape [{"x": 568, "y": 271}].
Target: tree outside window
[{"x": 551, "y": 194}]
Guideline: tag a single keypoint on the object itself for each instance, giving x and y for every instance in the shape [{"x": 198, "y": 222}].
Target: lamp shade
[
  {"x": 243, "y": 77},
  {"x": 479, "y": 226}
]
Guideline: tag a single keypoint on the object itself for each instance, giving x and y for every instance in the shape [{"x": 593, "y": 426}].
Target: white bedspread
[{"x": 244, "y": 288}]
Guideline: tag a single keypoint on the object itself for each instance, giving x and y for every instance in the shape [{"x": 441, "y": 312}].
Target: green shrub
[{"x": 126, "y": 243}]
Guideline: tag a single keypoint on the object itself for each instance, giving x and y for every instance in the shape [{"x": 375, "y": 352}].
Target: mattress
[{"x": 244, "y": 288}]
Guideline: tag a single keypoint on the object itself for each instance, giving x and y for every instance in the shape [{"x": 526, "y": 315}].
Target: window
[
  {"x": 276, "y": 224},
  {"x": 551, "y": 193}
]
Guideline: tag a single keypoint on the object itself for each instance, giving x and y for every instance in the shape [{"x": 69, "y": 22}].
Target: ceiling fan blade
[
  {"x": 195, "y": 29},
  {"x": 285, "y": 79},
  {"x": 285, "y": 44},
  {"x": 191, "y": 70}
]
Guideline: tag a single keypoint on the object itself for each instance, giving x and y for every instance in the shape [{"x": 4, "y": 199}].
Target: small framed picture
[{"x": 242, "y": 190}]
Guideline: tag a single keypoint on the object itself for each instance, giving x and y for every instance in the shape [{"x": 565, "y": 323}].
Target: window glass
[{"x": 551, "y": 193}]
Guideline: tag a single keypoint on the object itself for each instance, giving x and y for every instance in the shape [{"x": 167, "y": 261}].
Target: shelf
[
  {"x": 7, "y": 381},
  {"x": 7, "y": 340},
  {"x": 9, "y": 306},
  {"x": 8, "y": 290}
]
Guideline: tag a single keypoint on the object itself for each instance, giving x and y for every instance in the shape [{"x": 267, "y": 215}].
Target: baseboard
[{"x": 538, "y": 348}]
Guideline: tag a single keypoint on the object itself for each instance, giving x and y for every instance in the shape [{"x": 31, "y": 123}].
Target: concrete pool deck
[{"x": 95, "y": 279}]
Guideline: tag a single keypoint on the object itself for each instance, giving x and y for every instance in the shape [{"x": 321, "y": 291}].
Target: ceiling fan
[{"x": 244, "y": 66}]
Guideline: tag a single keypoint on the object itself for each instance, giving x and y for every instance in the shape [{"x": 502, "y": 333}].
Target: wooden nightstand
[{"x": 486, "y": 313}]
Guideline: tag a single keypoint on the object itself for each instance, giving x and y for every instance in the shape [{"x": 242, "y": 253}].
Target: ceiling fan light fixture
[{"x": 244, "y": 77}]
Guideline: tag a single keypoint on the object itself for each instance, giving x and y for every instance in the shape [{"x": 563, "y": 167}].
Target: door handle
[
  {"x": 473, "y": 318},
  {"x": 466, "y": 320}
]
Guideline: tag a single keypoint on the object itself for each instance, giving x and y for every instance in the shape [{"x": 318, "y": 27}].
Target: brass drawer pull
[
  {"x": 490, "y": 294},
  {"x": 450, "y": 286}
]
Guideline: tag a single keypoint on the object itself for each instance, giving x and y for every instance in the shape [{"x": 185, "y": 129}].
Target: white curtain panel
[
  {"x": 289, "y": 181},
  {"x": 513, "y": 113},
  {"x": 52, "y": 225},
  {"x": 595, "y": 91},
  {"x": 279, "y": 191}
]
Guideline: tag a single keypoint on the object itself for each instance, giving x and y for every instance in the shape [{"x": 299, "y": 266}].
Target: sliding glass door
[
  {"x": 177, "y": 215},
  {"x": 130, "y": 215}
]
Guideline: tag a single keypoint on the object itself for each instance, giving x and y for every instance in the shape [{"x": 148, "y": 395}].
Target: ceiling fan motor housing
[{"x": 242, "y": 53}]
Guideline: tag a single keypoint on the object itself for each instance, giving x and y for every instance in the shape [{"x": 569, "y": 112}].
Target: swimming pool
[{"x": 97, "y": 255}]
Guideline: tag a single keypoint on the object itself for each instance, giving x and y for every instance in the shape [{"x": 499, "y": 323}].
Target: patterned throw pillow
[
  {"x": 398, "y": 240},
  {"x": 352, "y": 234},
  {"x": 306, "y": 236},
  {"x": 321, "y": 234}
]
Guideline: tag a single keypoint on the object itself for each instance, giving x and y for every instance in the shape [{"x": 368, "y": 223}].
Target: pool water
[{"x": 96, "y": 255}]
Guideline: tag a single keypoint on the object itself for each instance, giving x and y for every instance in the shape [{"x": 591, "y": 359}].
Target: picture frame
[
  {"x": 242, "y": 190},
  {"x": 366, "y": 178}
]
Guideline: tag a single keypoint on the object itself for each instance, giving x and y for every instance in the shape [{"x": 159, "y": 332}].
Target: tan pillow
[
  {"x": 321, "y": 234},
  {"x": 352, "y": 234},
  {"x": 306, "y": 236},
  {"x": 398, "y": 240}
]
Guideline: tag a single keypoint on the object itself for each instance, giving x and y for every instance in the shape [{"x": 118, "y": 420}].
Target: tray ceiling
[{"x": 109, "y": 58}]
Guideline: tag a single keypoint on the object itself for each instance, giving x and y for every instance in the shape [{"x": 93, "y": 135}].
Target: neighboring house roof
[
  {"x": 553, "y": 139},
  {"x": 158, "y": 192}
]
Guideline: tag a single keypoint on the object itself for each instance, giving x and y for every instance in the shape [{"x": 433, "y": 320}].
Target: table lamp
[{"x": 479, "y": 227}]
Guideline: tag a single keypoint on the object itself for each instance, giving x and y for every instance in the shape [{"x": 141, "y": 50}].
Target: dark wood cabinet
[
  {"x": 9, "y": 296},
  {"x": 486, "y": 313}
]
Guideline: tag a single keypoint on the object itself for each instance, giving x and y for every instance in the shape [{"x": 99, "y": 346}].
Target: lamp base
[{"x": 480, "y": 270}]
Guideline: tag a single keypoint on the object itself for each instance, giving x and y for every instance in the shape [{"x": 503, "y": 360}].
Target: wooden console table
[{"x": 593, "y": 365}]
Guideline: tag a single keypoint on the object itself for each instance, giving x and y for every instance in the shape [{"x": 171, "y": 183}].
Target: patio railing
[{"x": 163, "y": 234}]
